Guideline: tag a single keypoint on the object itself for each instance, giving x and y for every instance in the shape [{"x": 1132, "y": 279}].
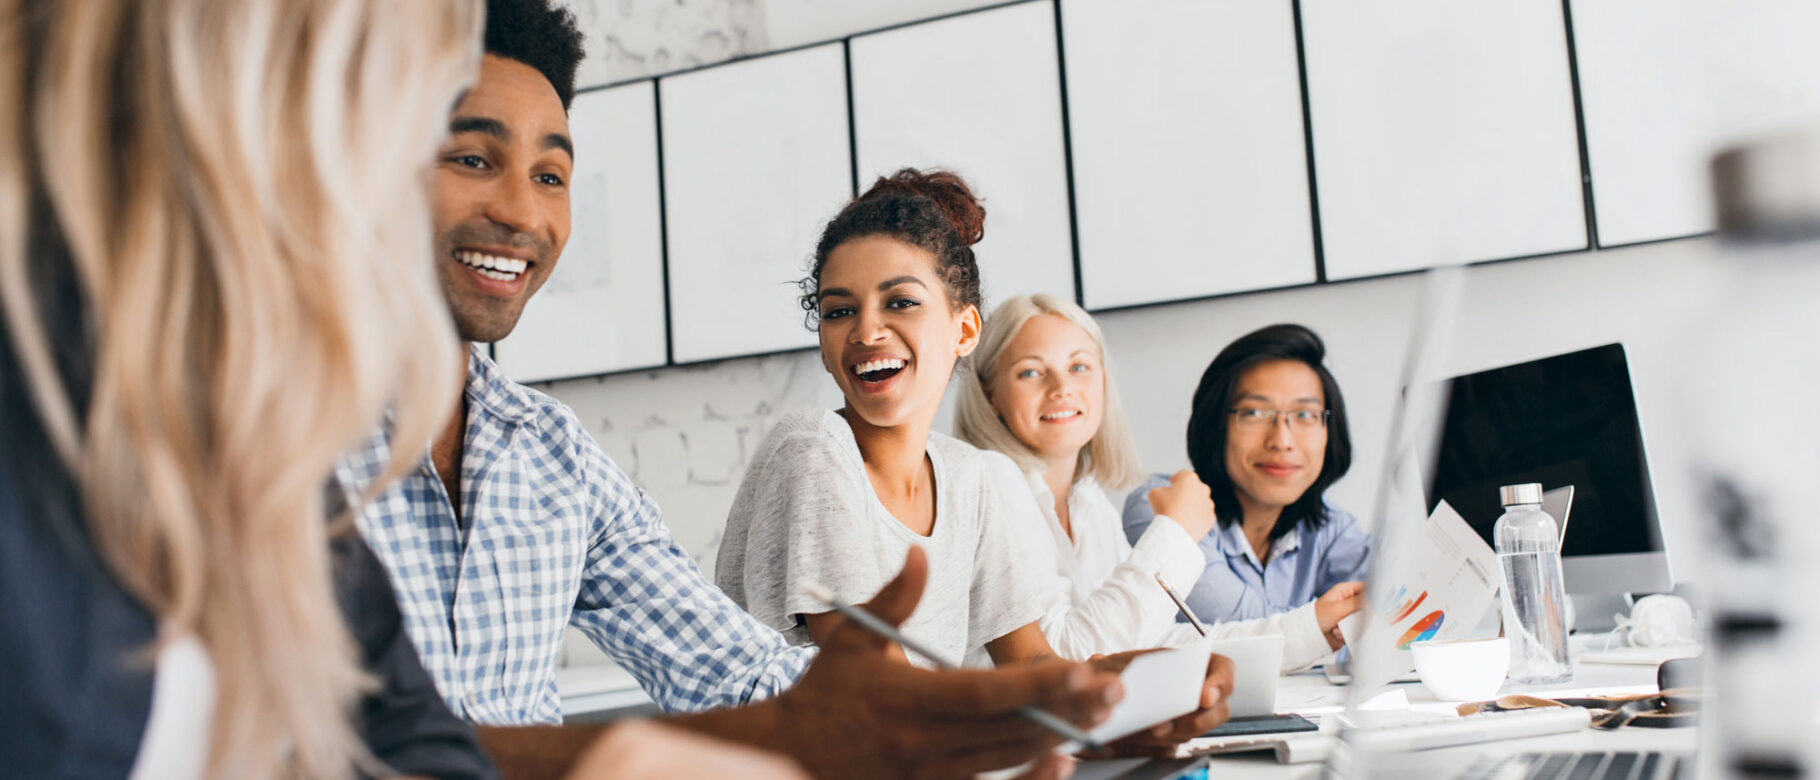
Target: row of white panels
[{"x": 1443, "y": 132}]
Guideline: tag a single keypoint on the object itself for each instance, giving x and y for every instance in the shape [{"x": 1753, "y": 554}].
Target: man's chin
[
  {"x": 484, "y": 336},
  {"x": 484, "y": 330}
]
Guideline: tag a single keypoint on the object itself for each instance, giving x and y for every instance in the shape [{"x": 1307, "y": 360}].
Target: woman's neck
[
  {"x": 1058, "y": 474},
  {"x": 898, "y": 467},
  {"x": 895, "y": 456}
]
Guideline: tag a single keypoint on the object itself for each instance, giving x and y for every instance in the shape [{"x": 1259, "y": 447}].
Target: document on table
[
  {"x": 1439, "y": 588},
  {"x": 1159, "y": 686}
]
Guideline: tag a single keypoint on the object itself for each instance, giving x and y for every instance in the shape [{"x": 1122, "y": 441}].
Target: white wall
[
  {"x": 629, "y": 39},
  {"x": 796, "y": 22}
]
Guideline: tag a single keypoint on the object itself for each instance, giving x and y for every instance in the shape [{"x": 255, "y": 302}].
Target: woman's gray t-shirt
[{"x": 806, "y": 512}]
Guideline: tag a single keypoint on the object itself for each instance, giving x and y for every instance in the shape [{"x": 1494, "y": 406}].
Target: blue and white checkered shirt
[{"x": 555, "y": 533}]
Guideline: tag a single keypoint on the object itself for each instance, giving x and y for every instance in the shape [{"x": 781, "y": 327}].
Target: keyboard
[
  {"x": 1583, "y": 766},
  {"x": 1469, "y": 729}
]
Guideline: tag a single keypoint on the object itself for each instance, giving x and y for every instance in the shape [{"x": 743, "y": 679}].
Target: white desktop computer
[{"x": 1562, "y": 420}]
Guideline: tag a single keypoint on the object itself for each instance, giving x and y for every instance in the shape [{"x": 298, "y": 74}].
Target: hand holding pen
[
  {"x": 858, "y": 712},
  {"x": 866, "y": 620}
]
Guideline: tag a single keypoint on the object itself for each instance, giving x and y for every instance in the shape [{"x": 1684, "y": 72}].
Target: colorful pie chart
[{"x": 1421, "y": 629}]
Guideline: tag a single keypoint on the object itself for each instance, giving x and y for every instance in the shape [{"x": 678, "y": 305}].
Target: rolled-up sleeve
[{"x": 646, "y": 603}]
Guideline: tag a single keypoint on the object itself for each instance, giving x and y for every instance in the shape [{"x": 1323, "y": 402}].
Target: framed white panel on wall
[
  {"x": 1190, "y": 163},
  {"x": 978, "y": 94},
  {"x": 1444, "y": 132},
  {"x": 602, "y": 308},
  {"x": 756, "y": 159},
  {"x": 1647, "y": 142}
]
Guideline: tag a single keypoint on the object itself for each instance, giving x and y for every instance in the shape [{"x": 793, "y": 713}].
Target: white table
[
  {"x": 599, "y": 690},
  {"x": 606, "y": 688},
  {"x": 1311, "y": 695}
]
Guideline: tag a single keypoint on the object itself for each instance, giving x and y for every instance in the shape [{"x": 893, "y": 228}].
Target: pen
[
  {"x": 866, "y": 620},
  {"x": 1192, "y": 620}
]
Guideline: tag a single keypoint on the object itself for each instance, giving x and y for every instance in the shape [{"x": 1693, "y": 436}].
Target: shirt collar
[
  {"x": 1039, "y": 485},
  {"x": 1287, "y": 543},
  {"x": 1045, "y": 501},
  {"x": 489, "y": 390},
  {"x": 1234, "y": 544}
]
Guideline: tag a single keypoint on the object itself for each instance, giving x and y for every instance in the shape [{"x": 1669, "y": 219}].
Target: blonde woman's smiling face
[
  {"x": 888, "y": 334},
  {"x": 1049, "y": 387}
]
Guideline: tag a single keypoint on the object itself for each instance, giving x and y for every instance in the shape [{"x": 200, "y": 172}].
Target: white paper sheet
[
  {"x": 1439, "y": 589},
  {"x": 1256, "y": 663},
  {"x": 1159, "y": 686}
]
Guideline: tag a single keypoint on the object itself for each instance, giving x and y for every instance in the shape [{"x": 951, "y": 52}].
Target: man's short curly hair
[{"x": 539, "y": 35}]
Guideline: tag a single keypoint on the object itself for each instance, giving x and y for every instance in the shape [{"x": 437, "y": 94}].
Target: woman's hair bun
[
  {"x": 949, "y": 192},
  {"x": 934, "y": 211}
]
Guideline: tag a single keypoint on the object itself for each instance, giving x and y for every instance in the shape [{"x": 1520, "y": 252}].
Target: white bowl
[{"x": 1463, "y": 669}]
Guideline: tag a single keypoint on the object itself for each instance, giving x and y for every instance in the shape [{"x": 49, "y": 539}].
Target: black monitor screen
[{"x": 1564, "y": 420}]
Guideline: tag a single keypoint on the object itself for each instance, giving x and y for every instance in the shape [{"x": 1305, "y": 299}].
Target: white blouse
[
  {"x": 1103, "y": 596},
  {"x": 176, "y": 740}
]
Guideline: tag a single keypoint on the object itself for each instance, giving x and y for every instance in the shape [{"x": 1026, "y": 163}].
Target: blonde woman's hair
[
  {"x": 1110, "y": 457},
  {"x": 237, "y": 188}
]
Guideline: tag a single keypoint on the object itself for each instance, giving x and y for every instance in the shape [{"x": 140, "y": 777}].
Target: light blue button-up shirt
[{"x": 1303, "y": 563}]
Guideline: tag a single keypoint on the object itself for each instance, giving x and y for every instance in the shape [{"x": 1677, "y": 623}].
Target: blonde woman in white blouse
[{"x": 1040, "y": 391}]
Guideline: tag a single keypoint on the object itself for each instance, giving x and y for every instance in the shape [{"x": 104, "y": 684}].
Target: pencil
[{"x": 1192, "y": 620}]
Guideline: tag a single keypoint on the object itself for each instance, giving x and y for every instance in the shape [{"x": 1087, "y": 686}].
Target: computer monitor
[{"x": 1563, "y": 420}]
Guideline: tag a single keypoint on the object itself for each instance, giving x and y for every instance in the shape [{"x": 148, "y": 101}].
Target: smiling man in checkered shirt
[{"x": 516, "y": 524}]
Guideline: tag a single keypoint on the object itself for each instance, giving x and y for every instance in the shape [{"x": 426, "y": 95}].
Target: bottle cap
[
  {"x": 1526, "y": 493},
  {"x": 1767, "y": 191}
]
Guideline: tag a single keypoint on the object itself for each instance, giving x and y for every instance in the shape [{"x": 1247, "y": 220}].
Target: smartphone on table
[{"x": 1262, "y": 724}]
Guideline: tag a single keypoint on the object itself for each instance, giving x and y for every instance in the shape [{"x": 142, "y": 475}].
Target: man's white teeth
[
  {"x": 504, "y": 269},
  {"x": 880, "y": 364},
  {"x": 491, "y": 274},
  {"x": 1062, "y": 415}
]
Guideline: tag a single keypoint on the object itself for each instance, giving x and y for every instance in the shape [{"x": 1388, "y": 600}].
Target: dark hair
[
  {"x": 934, "y": 211},
  {"x": 538, "y": 35},
  {"x": 1213, "y": 400}
]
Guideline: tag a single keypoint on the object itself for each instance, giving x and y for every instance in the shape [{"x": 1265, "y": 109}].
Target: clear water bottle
[{"x": 1535, "y": 619}]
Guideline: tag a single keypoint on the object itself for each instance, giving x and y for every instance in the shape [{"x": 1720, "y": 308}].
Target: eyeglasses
[{"x": 1249, "y": 418}]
